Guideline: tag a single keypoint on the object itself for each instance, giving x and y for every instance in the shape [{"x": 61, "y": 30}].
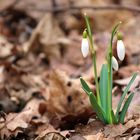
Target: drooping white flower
[
  {"x": 115, "y": 63},
  {"x": 85, "y": 47},
  {"x": 85, "y": 44},
  {"x": 120, "y": 50}
]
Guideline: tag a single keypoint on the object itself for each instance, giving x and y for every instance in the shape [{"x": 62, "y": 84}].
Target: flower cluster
[
  {"x": 120, "y": 53},
  {"x": 102, "y": 100},
  {"x": 120, "y": 50}
]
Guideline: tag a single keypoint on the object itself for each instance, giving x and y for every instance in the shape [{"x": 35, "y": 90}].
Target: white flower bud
[
  {"x": 115, "y": 63},
  {"x": 85, "y": 47},
  {"x": 120, "y": 50}
]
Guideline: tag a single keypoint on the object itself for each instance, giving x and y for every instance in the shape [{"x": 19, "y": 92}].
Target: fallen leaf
[
  {"x": 47, "y": 34},
  {"x": 4, "y": 4},
  {"x": 16, "y": 122},
  {"x": 5, "y": 47},
  {"x": 66, "y": 95},
  {"x": 52, "y": 136}
]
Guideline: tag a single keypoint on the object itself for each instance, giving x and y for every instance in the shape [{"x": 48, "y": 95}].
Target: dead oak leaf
[
  {"x": 15, "y": 122},
  {"x": 66, "y": 95}
]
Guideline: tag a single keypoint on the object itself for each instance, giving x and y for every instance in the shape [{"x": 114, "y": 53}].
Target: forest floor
[{"x": 41, "y": 62}]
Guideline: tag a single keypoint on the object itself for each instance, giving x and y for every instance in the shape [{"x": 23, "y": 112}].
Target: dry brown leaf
[
  {"x": 127, "y": 71},
  {"x": 125, "y": 81},
  {"x": 4, "y": 4},
  {"x": 47, "y": 35},
  {"x": 114, "y": 131},
  {"x": 15, "y": 122},
  {"x": 29, "y": 4},
  {"x": 66, "y": 95},
  {"x": 44, "y": 130},
  {"x": 108, "y": 132},
  {"x": 130, "y": 2},
  {"x": 5, "y": 47},
  {"x": 90, "y": 129},
  {"x": 98, "y": 136},
  {"x": 7, "y": 105},
  {"x": 77, "y": 137},
  {"x": 131, "y": 38},
  {"x": 51, "y": 136},
  {"x": 134, "y": 108}
]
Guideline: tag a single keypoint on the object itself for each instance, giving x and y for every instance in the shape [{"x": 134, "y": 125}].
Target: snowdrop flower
[
  {"x": 120, "y": 48},
  {"x": 85, "y": 45},
  {"x": 115, "y": 63}
]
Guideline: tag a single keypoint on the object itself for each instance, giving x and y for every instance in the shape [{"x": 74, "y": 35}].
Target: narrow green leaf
[
  {"x": 114, "y": 118},
  {"x": 85, "y": 86},
  {"x": 125, "y": 108},
  {"x": 99, "y": 111},
  {"x": 104, "y": 87},
  {"x": 109, "y": 62},
  {"x": 125, "y": 92},
  {"x": 93, "y": 100}
]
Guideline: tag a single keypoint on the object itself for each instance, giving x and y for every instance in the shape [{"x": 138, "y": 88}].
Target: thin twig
[{"x": 108, "y": 7}]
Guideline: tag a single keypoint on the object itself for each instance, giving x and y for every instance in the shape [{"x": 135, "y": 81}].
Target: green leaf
[
  {"x": 125, "y": 108},
  {"x": 99, "y": 111},
  {"x": 125, "y": 92},
  {"x": 114, "y": 118},
  {"x": 104, "y": 87},
  {"x": 85, "y": 86},
  {"x": 109, "y": 62}
]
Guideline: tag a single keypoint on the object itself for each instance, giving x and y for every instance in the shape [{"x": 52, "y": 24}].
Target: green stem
[
  {"x": 96, "y": 78},
  {"x": 94, "y": 58},
  {"x": 110, "y": 83},
  {"x": 110, "y": 75}
]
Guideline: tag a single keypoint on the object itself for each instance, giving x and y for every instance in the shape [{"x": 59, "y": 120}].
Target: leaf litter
[{"x": 40, "y": 65}]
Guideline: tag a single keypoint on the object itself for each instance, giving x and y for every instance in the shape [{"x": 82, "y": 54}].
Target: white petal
[
  {"x": 115, "y": 63},
  {"x": 120, "y": 50},
  {"x": 85, "y": 47}
]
